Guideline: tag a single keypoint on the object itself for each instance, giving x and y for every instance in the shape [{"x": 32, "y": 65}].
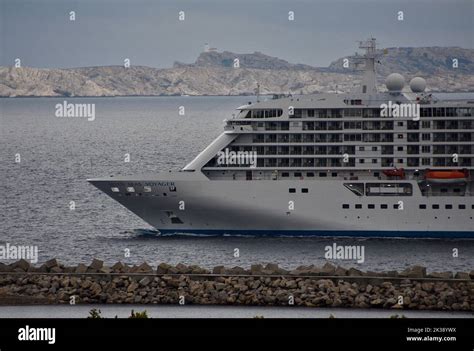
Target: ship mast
[{"x": 369, "y": 81}]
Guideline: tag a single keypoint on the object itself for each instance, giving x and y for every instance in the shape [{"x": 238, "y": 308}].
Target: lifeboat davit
[
  {"x": 396, "y": 172},
  {"x": 447, "y": 176}
]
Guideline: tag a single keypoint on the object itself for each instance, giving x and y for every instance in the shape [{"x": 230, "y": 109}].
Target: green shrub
[
  {"x": 94, "y": 313},
  {"x": 138, "y": 314}
]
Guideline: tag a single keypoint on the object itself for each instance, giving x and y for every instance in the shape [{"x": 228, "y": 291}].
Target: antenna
[
  {"x": 369, "y": 81},
  {"x": 257, "y": 91}
]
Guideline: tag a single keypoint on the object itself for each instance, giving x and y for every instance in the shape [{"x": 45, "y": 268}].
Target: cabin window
[
  {"x": 439, "y": 112},
  {"x": 388, "y": 189},
  {"x": 435, "y": 207},
  {"x": 115, "y": 189},
  {"x": 448, "y": 207},
  {"x": 323, "y": 174},
  {"x": 371, "y": 206},
  {"x": 345, "y": 206},
  {"x": 257, "y": 114},
  {"x": 462, "y": 207},
  {"x": 297, "y": 113},
  {"x": 147, "y": 189},
  {"x": 298, "y": 174},
  {"x": 425, "y": 112},
  {"x": 384, "y": 206},
  {"x": 304, "y": 190},
  {"x": 131, "y": 189},
  {"x": 464, "y": 112},
  {"x": 310, "y": 174},
  {"x": 358, "y": 206},
  {"x": 246, "y": 113},
  {"x": 423, "y": 207},
  {"x": 285, "y": 174},
  {"x": 292, "y": 190}
]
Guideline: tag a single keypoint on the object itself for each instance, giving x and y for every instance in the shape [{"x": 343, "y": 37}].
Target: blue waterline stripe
[{"x": 327, "y": 233}]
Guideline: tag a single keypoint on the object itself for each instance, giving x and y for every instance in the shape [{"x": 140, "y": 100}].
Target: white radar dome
[
  {"x": 395, "y": 82},
  {"x": 417, "y": 85}
]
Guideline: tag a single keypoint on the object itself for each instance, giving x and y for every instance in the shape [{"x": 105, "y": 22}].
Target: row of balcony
[{"x": 352, "y": 162}]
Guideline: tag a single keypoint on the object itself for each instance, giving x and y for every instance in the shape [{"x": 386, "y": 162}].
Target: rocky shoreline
[
  {"x": 269, "y": 285},
  {"x": 213, "y": 73}
]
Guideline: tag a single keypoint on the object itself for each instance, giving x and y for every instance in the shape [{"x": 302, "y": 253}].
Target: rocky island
[{"x": 214, "y": 73}]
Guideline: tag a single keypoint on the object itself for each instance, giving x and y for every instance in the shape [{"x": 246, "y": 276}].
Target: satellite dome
[
  {"x": 417, "y": 85},
  {"x": 395, "y": 82}
]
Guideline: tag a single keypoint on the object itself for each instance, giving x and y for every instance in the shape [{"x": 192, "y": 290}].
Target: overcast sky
[{"x": 149, "y": 33}]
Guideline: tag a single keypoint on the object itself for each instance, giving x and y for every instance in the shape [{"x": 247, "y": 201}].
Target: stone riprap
[{"x": 269, "y": 285}]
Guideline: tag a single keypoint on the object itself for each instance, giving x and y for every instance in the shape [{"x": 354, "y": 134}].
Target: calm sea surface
[{"x": 59, "y": 154}]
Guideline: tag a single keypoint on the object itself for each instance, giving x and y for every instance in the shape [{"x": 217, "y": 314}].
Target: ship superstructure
[{"x": 366, "y": 163}]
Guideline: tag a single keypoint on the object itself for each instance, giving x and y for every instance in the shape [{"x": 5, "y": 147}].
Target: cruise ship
[{"x": 397, "y": 163}]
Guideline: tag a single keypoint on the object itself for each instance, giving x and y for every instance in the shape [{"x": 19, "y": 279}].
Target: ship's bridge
[{"x": 292, "y": 107}]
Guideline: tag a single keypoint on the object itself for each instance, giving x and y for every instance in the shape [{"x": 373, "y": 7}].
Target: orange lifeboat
[
  {"x": 447, "y": 176},
  {"x": 396, "y": 172}
]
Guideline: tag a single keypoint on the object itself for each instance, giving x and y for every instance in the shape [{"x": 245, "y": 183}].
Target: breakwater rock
[{"x": 269, "y": 285}]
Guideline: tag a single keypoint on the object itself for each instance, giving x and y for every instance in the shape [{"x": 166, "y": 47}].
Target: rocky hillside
[
  {"x": 256, "y": 60},
  {"x": 119, "y": 81},
  {"x": 213, "y": 74}
]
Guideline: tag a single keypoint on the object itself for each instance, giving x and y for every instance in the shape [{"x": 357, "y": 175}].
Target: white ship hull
[{"x": 263, "y": 208}]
